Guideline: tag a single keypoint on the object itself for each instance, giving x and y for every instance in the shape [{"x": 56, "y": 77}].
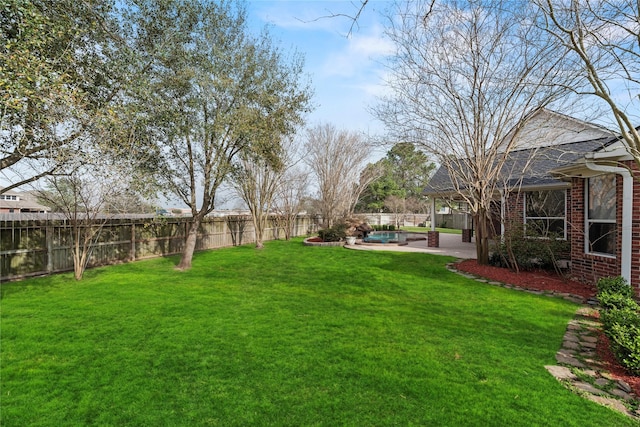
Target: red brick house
[
  {"x": 578, "y": 181},
  {"x": 15, "y": 202}
]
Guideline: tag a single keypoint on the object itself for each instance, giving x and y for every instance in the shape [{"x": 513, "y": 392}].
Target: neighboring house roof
[{"x": 21, "y": 202}]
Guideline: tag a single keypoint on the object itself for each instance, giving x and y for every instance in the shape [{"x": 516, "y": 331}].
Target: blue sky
[{"x": 346, "y": 73}]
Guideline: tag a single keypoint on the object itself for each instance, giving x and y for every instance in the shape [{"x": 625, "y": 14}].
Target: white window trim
[
  {"x": 588, "y": 222},
  {"x": 563, "y": 218}
]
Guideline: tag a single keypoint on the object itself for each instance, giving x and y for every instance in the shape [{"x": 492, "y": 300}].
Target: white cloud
[{"x": 360, "y": 53}]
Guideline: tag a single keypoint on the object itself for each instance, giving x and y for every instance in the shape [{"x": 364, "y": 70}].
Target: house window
[
  {"x": 545, "y": 213},
  {"x": 601, "y": 215},
  {"x": 8, "y": 197}
]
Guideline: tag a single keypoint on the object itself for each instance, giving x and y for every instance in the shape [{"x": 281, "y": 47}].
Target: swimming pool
[{"x": 386, "y": 237}]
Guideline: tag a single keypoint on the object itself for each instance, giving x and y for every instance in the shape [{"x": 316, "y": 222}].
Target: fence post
[
  {"x": 132, "y": 253},
  {"x": 48, "y": 235}
]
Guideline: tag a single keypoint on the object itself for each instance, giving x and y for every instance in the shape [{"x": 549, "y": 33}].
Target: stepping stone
[
  {"x": 621, "y": 394},
  {"x": 568, "y": 359},
  {"x": 561, "y": 372},
  {"x": 609, "y": 402},
  {"x": 571, "y": 345},
  {"x": 622, "y": 385},
  {"x": 588, "y": 388},
  {"x": 570, "y": 336}
]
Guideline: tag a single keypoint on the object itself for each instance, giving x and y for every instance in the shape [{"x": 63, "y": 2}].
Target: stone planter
[
  {"x": 351, "y": 240},
  {"x": 307, "y": 242}
]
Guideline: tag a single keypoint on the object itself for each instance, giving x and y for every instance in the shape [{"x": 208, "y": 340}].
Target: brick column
[{"x": 433, "y": 239}]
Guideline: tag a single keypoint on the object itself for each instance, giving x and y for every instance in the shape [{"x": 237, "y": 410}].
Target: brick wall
[
  {"x": 433, "y": 239},
  {"x": 591, "y": 267}
]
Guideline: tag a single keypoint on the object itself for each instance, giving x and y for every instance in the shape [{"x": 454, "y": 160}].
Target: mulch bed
[
  {"x": 549, "y": 281},
  {"x": 539, "y": 280}
]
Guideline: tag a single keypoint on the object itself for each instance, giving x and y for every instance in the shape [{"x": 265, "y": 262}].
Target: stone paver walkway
[
  {"x": 578, "y": 366},
  {"x": 580, "y": 370}
]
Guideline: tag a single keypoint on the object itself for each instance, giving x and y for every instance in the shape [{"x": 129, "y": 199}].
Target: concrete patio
[{"x": 450, "y": 245}]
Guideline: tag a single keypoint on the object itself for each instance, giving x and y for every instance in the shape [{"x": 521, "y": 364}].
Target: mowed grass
[
  {"x": 286, "y": 336},
  {"x": 426, "y": 229}
]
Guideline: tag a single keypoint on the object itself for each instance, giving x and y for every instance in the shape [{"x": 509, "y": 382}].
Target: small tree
[
  {"x": 338, "y": 159},
  {"x": 256, "y": 181},
  {"x": 82, "y": 197},
  {"x": 290, "y": 199},
  {"x": 397, "y": 206}
]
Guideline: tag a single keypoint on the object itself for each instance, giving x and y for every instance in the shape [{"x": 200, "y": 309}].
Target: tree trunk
[
  {"x": 78, "y": 269},
  {"x": 482, "y": 237},
  {"x": 259, "y": 231},
  {"x": 190, "y": 245},
  {"x": 77, "y": 264}
]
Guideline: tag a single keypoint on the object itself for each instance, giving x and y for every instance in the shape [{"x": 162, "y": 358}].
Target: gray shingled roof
[
  {"x": 26, "y": 202},
  {"x": 537, "y": 173}
]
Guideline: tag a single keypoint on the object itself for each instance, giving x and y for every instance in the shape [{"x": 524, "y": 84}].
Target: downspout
[{"x": 627, "y": 210}]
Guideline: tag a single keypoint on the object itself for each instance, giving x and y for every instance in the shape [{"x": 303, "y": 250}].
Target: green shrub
[
  {"x": 614, "y": 285},
  {"x": 625, "y": 343},
  {"x": 620, "y": 316},
  {"x": 626, "y": 316},
  {"x": 392, "y": 227},
  {"x": 333, "y": 234},
  {"x": 616, "y": 300},
  {"x": 522, "y": 251}
]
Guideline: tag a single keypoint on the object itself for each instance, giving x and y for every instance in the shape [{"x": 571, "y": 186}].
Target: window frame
[
  {"x": 588, "y": 222},
  {"x": 526, "y": 218}
]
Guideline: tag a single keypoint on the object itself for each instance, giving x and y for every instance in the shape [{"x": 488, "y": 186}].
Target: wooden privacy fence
[{"x": 38, "y": 244}]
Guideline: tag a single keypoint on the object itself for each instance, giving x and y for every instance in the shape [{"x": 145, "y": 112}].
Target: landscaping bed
[{"x": 539, "y": 279}]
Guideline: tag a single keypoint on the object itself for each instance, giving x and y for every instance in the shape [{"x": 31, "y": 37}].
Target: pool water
[{"x": 386, "y": 237}]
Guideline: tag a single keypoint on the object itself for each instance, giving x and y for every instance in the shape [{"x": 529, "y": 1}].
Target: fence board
[{"x": 39, "y": 244}]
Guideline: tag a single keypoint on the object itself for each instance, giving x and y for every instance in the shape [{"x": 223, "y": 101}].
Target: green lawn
[
  {"x": 287, "y": 336},
  {"x": 425, "y": 229}
]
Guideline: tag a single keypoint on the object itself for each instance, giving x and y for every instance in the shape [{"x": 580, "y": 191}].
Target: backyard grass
[
  {"x": 425, "y": 229},
  {"x": 286, "y": 336}
]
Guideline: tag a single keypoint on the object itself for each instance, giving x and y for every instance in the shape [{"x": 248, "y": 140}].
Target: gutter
[{"x": 627, "y": 209}]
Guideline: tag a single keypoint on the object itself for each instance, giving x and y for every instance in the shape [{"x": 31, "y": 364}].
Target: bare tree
[
  {"x": 256, "y": 181},
  {"x": 398, "y": 207},
  {"x": 290, "y": 199},
  {"x": 83, "y": 197},
  {"x": 338, "y": 158},
  {"x": 602, "y": 39},
  {"x": 353, "y": 17},
  {"x": 464, "y": 79}
]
